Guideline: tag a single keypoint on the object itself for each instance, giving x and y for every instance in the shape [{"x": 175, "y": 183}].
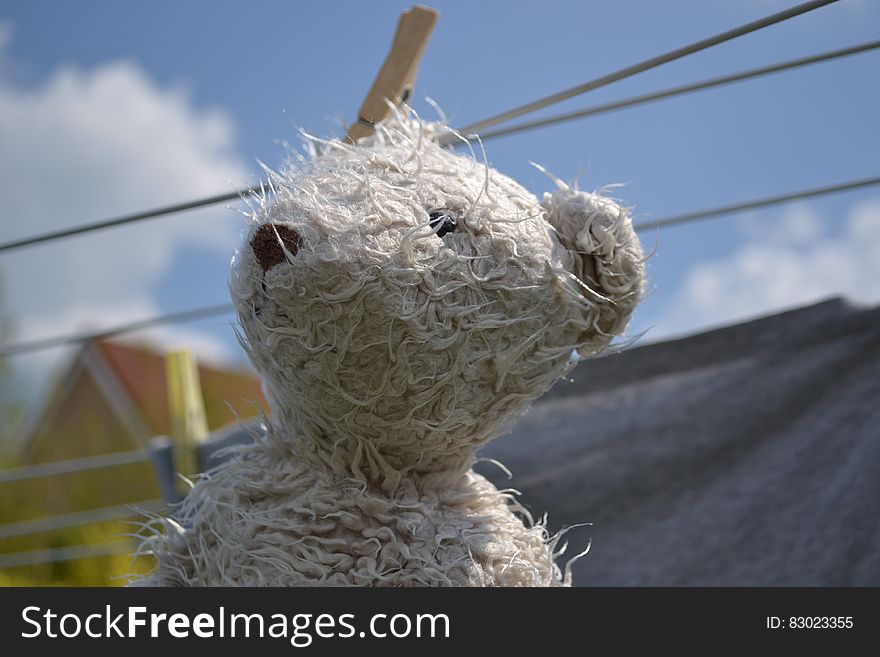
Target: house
[{"x": 113, "y": 398}]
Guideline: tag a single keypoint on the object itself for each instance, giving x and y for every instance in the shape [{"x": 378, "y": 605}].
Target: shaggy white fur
[{"x": 404, "y": 305}]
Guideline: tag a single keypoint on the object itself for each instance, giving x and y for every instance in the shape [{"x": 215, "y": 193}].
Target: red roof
[{"x": 141, "y": 372}]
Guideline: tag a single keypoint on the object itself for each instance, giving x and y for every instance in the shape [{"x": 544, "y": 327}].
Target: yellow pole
[{"x": 186, "y": 410}]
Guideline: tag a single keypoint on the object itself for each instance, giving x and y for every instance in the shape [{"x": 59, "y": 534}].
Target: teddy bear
[{"x": 404, "y": 303}]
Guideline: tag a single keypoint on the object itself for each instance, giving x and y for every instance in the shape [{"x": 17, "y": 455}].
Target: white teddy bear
[{"x": 404, "y": 305}]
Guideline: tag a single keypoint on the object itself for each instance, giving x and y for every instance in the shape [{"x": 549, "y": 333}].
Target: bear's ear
[
  {"x": 271, "y": 243},
  {"x": 603, "y": 254}
]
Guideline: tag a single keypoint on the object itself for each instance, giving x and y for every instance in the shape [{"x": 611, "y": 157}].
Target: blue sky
[{"x": 109, "y": 107}]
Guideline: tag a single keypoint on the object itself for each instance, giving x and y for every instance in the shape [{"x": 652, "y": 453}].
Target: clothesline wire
[
  {"x": 710, "y": 213},
  {"x": 680, "y": 90},
  {"x": 128, "y": 219},
  {"x": 492, "y": 121},
  {"x": 646, "y": 65},
  {"x": 159, "y": 320},
  {"x": 223, "y": 309}
]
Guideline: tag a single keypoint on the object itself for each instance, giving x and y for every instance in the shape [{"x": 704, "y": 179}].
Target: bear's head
[{"x": 405, "y": 303}]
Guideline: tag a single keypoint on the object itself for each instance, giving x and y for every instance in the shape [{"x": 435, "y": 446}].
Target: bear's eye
[
  {"x": 446, "y": 221},
  {"x": 269, "y": 242}
]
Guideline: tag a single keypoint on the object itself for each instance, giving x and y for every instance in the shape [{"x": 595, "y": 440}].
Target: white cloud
[
  {"x": 86, "y": 145},
  {"x": 798, "y": 225},
  {"x": 5, "y": 34},
  {"x": 795, "y": 262}
]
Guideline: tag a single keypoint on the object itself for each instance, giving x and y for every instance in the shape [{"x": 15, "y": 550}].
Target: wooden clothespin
[{"x": 398, "y": 74}]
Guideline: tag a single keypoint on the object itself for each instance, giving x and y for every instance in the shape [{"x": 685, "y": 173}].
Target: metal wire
[
  {"x": 757, "y": 203},
  {"x": 630, "y": 71},
  {"x": 70, "y": 553},
  {"x": 173, "y": 318},
  {"x": 680, "y": 90},
  {"x": 128, "y": 219},
  {"x": 73, "y": 465},
  {"x": 78, "y": 518}
]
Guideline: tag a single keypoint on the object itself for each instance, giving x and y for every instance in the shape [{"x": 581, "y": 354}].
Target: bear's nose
[{"x": 270, "y": 241}]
